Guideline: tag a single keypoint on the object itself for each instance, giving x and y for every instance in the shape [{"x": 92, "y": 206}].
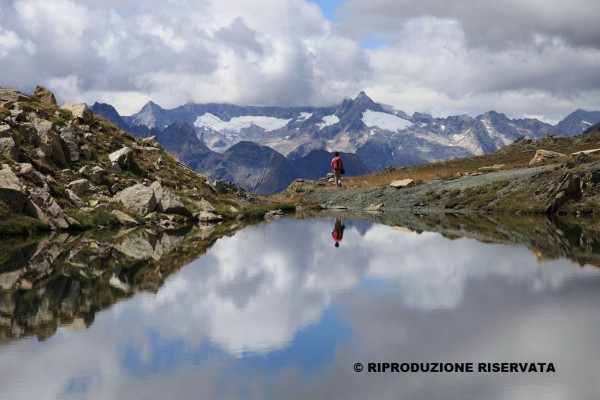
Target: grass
[
  {"x": 12, "y": 223},
  {"x": 476, "y": 198}
]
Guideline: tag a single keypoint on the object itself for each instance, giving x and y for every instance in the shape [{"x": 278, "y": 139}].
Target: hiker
[
  {"x": 338, "y": 169},
  {"x": 338, "y": 232}
]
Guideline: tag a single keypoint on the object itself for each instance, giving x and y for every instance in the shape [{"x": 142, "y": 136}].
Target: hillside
[
  {"x": 505, "y": 181},
  {"x": 65, "y": 168}
]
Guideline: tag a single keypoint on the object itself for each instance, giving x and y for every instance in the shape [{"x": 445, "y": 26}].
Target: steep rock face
[
  {"x": 262, "y": 169},
  {"x": 107, "y": 111},
  {"x": 180, "y": 138},
  {"x": 579, "y": 121}
]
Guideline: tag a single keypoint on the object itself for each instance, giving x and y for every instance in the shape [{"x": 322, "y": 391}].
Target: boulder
[
  {"x": 205, "y": 216},
  {"x": 44, "y": 96},
  {"x": 138, "y": 198},
  {"x": 93, "y": 172},
  {"x": 50, "y": 141},
  {"x": 75, "y": 199},
  {"x": 122, "y": 157},
  {"x": 204, "y": 205},
  {"x": 12, "y": 95},
  {"x": 51, "y": 211},
  {"x": 151, "y": 141},
  {"x": 124, "y": 219},
  {"x": 402, "y": 183},
  {"x": 68, "y": 139},
  {"x": 167, "y": 202},
  {"x": 11, "y": 192},
  {"x": 542, "y": 155},
  {"x": 8, "y": 148},
  {"x": 85, "y": 152},
  {"x": 80, "y": 111},
  {"x": 80, "y": 186}
]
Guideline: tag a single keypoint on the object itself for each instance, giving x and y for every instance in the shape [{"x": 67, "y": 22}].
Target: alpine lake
[{"x": 444, "y": 306}]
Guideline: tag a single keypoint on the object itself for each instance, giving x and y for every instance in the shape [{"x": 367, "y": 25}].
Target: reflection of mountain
[{"x": 63, "y": 278}]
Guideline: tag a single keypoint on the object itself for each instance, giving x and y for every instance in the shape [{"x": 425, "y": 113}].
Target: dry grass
[{"x": 516, "y": 155}]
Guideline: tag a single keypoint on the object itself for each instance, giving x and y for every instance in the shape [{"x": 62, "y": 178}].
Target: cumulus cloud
[{"x": 519, "y": 57}]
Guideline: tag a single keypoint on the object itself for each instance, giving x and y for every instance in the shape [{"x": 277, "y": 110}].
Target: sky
[{"x": 525, "y": 58}]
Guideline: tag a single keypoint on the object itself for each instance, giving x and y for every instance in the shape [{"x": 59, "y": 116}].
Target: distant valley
[{"x": 264, "y": 148}]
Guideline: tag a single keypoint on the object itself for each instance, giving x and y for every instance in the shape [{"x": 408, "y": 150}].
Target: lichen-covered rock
[
  {"x": 93, "y": 172},
  {"x": 80, "y": 111},
  {"x": 167, "y": 202},
  {"x": 5, "y": 131},
  {"x": 44, "y": 95},
  {"x": 138, "y": 198},
  {"x": 124, "y": 219},
  {"x": 123, "y": 157},
  {"x": 79, "y": 186},
  {"x": 75, "y": 199},
  {"x": 8, "y": 148},
  {"x": 50, "y": 209},
  {"x": 68, "y": 139},
  {"x": 11, "y": 192}
]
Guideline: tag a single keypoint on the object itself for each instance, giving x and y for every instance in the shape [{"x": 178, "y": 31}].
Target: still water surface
[{"x": 278, "y": 312}]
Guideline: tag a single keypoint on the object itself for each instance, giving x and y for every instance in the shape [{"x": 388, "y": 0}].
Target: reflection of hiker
[
  {"x": 338, "y": 232},
  {"x": 338, "y": 168}
]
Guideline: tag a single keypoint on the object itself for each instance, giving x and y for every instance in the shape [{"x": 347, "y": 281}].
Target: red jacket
[{"x": 337, "y": 163}]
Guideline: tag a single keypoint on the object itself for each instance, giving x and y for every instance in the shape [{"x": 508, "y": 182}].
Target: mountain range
[{"x": 264, "y": 148}]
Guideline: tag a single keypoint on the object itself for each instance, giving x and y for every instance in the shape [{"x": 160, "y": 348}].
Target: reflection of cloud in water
[
  {"x": 264, "y": 294},
  {"x": 252, "y": 292}
]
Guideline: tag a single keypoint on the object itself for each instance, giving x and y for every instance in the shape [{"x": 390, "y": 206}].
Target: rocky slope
[{"x": 65, "y": 168}]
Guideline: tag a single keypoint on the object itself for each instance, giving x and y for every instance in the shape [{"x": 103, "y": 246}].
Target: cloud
[
  {"x": 520, "y": 57},
  {"x": 487, "y": 24}
]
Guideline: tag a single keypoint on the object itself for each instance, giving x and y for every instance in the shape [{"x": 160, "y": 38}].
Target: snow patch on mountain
[
  {"x": 328, "y": 120},
  {"x": 385, "y": 121},
  {"x": 304, "y": 116},
  {"x": 236, "y": 124}
]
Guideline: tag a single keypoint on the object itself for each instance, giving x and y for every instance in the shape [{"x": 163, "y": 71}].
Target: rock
[
  {"x": 205, "y": 216},
  {"x": 273, "y": 214},
  {"x": 80, "y": 111},
  {"x": 68, "y": 139},
  {"x": 80, "y": 186},
  {"x": 48, "y": 206},
  {"x": 68, "y": 174},
  {"x": 5, "y": 131},
  {"x": 542, "y": 155},
  {"x": 12, "y": 95},
  {"x": 50, "y": 141},
  {"x": 74, "y": 198},
  {"x": 116, "y": 169},
  {"x": 167, "y": 202},
  {"x": 151, "y": 141},
  {"x": 205, "y": 205},
  {"x": 124, "y": 219},
  {"x": 44, "y": 96},
  {"x": 402, "y": 183},
  {"x": 11, "y": 192},
  {"x": 138, "y": 198},
  {"x": 8, "y": 148},
  {"x": 219, "y": 187},
  {"x": 122, "y": 157},
  {"x": 25, "y": 168},
  {"x": 103, "y": 207},
  {"x": 85, "y": 152},
  {"x": 373, "y": 207},
  {"x": 93, "y": 172},
  {"x": 586, "y": 152}
]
